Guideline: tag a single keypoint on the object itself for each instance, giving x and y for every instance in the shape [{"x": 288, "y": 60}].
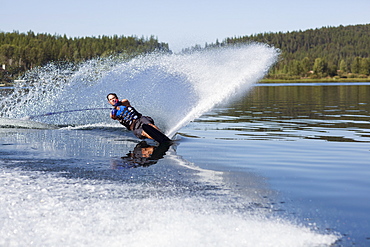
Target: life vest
[{"x": 127, "y": 115}]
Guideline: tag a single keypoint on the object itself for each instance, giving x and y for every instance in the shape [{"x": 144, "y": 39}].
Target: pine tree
[
  {"x": 306, "y": 66},
  {"x": 364, "y": 66},
  {"x": 343, "y": 66},
  {"x": 320, "y": 67},
  {"x": 355, "y": 65}
]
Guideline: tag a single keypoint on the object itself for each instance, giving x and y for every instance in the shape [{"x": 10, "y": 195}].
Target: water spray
[{"x": 173, "y": 89}]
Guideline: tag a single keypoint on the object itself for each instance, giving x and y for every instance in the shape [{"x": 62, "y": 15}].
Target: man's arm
[{"x": 125, "y": 102}]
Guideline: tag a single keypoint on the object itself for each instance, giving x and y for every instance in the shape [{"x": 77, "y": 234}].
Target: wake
[{"x": 173, "y": 89}]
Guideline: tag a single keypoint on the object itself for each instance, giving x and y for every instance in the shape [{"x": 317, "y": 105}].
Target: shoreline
[
  {"x": 349, "y": 80},
  {"x": 315, "y": 80}
]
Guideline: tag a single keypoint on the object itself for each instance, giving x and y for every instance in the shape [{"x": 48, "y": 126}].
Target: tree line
[
  {"x": 341, "y": 51},
  {"x": 338, "y": 52},
  {"x": 20, "y": 52}
]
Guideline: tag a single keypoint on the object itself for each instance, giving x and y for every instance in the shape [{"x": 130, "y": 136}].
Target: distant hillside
[
  {"x": 22, "y": 51},
  {"x": 328, "y": 51},
  {"x": 337, "y": 52}
]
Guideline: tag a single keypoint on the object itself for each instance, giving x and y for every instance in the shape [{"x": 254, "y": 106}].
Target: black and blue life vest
[{"x": 126, "y": 115}]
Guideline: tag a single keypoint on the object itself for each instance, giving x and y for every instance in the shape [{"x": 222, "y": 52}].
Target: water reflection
[
  {"x": 143, "y": 155},
  {"x": 331, "y": 113}
]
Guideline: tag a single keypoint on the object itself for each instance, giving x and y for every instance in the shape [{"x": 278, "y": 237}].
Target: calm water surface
[
  {"x": 284, "y": 166},
  {"x": 310, "y": 142}
]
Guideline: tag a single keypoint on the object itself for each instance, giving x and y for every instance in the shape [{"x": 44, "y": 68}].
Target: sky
[{"x": 179, "y": 23}]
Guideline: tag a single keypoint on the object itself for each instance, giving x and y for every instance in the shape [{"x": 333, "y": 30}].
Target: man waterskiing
[{"x": 142, "y": 126}]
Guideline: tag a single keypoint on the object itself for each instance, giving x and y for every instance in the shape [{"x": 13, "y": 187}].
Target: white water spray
[{"x": 173, "y": 89}]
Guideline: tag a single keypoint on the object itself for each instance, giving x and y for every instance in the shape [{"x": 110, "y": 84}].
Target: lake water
[
  {"x": 252, "y": 165},
  {"x": 283, "y": 166}
]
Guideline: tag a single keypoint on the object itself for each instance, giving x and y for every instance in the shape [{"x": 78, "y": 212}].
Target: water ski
[{"x": 156, "y": 134}]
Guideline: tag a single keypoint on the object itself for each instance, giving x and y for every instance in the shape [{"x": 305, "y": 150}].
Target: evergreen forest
[
  {"x": 20, "y": 52},
  {"x": 327, "y": 52},
  {"x": 322, "y": 53}
]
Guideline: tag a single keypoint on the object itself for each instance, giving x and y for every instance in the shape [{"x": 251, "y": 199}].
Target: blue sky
[{"x": 179, "y": 23}]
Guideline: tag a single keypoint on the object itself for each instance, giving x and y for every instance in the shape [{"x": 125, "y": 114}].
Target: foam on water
[
  {"x": 45, "y": 209},
  {"x": 23, "y": 123},
  {"x": 173, "y": 89}
]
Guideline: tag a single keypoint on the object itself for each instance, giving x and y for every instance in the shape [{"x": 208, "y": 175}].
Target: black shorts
[{"x": 138, "y": 126}]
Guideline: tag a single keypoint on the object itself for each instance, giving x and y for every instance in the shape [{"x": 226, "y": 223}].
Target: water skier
[{"x": 142, "y": 126}]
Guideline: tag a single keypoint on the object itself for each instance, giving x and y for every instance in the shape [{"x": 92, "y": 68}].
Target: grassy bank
[{"x": 316, "y": 80}]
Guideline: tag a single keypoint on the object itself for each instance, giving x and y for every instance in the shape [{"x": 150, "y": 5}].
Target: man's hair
[{"x": 115, "y": 95}]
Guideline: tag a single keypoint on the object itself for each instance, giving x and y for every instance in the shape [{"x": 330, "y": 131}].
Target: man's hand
[{"x": 113, "y": 113}]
